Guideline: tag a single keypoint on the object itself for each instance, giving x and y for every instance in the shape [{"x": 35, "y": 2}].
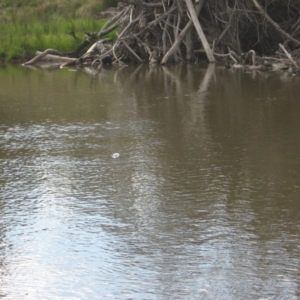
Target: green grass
[{"x": 30, "y": 25}]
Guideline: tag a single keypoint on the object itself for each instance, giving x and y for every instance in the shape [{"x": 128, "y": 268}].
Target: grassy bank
[{"x": 30, "y": 25}]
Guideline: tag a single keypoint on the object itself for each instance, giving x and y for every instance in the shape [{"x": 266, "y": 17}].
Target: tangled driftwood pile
[{"x": 251, "y": 33}]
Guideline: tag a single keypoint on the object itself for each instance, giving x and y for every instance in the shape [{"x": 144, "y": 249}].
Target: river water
[{"x": 178, "y": 182}]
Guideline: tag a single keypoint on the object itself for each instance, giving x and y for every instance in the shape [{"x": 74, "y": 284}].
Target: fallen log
[
  {"x": 49, "y": 54},
  {"x": 56, "y": 58}
]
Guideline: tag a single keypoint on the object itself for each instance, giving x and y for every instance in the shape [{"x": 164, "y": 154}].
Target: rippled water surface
[{"x": 141, "y": 182}]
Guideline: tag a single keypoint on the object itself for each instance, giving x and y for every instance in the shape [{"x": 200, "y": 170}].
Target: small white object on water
[{"x": 115, "y": 155}]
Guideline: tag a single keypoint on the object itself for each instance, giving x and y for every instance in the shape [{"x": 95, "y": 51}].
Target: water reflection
[{"x": 202, "y": 203}]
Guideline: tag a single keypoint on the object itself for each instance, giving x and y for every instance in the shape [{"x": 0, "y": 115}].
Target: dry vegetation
[{"x": 251, "y": 33}]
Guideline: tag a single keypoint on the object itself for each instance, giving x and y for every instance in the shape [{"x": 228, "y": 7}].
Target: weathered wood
[
  {"x": 56, "y": 58},
  {"x": 131, "y": 51},
  {"x": 274, "y": 24},
  {"x": 200, "y": 32},
  {"x": 41, "y": 55},
  {"x": 155, "y": 30},
  {"x": 113, "y": 23},
  {"x": 288, "y": 55},
  {"x": 181, "y": 36}
]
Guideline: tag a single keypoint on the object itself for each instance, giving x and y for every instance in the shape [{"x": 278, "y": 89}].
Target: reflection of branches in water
[
  {"x": 191, "y": 86},
  {"x": 206, "y": 80},
  {"x": 173, "y": 95},
  {"x": 196, "y": 123},
  {"x": 44, "y": 67}
]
